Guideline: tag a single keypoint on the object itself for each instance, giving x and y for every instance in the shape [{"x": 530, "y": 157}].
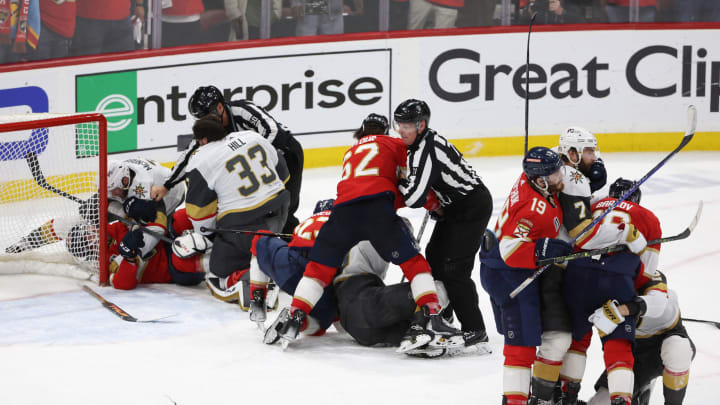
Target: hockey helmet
[
  {"x": 376, "y": 120},
  {"x": 541, "y": 162},
  {"x": 324, "y": 205},
  {"x": 621, "y": 186},
  {"x": 82, "y": 243},
  {"x": 577, "y": 138},
  {"x": 412, "y": 110},
  {"x": 204, "y": 100},
  {"x": 117, "y": 171}
]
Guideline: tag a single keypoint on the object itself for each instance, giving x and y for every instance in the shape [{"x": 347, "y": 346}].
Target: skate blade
[
  {"x": 480, "y": 349},
  {"x": 420, "y": 340},
  {"x": 441, "y": 342},
  {"x": 426, "y": 353},
  {"x": 284, "y": 342},
  {"x": 260, "y": 325}
]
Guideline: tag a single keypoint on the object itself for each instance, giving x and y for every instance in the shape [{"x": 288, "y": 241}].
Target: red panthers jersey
[
  {"x": 305, "y": 233},
  {"x": 644, "y": 221},
  {"x": 526, "y": 217},
  {"x": 370, "y": 167},
  {"x": 125, "y": 275}
]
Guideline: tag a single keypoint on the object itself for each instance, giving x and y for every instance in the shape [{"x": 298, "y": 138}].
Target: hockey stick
[
  {"x": 39, "y": 178},
  {"x": 279, "y": 235},
  {"x": 716, "y": 324},
  {"x": 527, "y": 83},
  {"x": 616, "y": 248},
  {"x": 692, "y": 122},
  {"x": 119, "y": 311}
]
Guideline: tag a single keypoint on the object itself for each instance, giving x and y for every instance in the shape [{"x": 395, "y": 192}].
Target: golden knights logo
[
  {"x": 576, "y": 177},
  {"x": 140, "y": 191}
]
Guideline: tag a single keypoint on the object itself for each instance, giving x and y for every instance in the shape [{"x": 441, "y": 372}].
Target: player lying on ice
[
  {"x": 371, "y": 312},
  {"x": 365, "y": 209}
]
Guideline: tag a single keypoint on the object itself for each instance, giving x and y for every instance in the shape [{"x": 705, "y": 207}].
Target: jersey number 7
[{"x": 370, "y": 151}]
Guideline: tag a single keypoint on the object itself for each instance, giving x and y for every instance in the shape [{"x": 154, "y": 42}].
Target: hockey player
[
  {"x": 527, "y": 229},
  {"x": 578, "y": 149},
  {"x": 364, "y": 209},
  {"x": 595, "y": 288},
  {"x": 235, "y": 181},
  {"x": 284, "y": 263},
  {"x": 238, "y": 116},
  {"x": 129, "y": 183},
  {"x": 662, "y": 348},
  {"x": 435, "y": 166}
]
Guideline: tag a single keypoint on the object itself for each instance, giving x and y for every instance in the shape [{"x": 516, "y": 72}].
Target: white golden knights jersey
[
  {"x": 146, "y": 174},
  {"x": 234, "y": 175}
]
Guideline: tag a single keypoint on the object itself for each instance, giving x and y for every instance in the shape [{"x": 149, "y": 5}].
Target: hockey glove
[
  {"x": 606, "y": 318},
  {"x": 190, "y": 244},
  {"x": 632, "y": 238},
  {"x": 144, "y": 211},
  {"x": 547, "y": 248},
  {"x": 598, "y": 175},
  {"x": 131, "y": 243}
]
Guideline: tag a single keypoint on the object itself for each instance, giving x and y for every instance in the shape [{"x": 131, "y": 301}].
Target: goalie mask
[{"x": 82, "y": 242}]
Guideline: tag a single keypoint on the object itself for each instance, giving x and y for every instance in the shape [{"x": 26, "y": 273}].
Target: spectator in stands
[
  {"x": 697, "y": 10},
  {"x": 235, "y": 10},
  {"x": 19, "y": 29},
  {"x": 104, "y": 28},
  {"x": 442, "y": 12},
  {"x": 253, "y": 16},
  {"x": 477, "y": 13},
  {"x": 554, "y": 12},
  {"x": 618, "y": 11},
  {"x": 58, "y": 28},
  {"x": 398, "y": 14},
  {"x": 318, "y": 17},
  {"x": 181, "y": 23},
  {"x": 214, "y": 21}
]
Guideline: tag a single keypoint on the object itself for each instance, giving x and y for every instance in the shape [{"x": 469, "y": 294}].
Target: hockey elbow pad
[{"x": 632, "y": 238}]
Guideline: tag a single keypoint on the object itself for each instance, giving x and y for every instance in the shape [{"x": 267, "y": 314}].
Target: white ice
[{"x": 58, "y": 345}]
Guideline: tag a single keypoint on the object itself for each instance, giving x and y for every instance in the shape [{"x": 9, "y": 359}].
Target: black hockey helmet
[
  {"x": 204, "y": 100},
  {"x": 621, "y": 186},
  {"x": 541, "y": 162},
  {"x": 82, "y": 243},
  {"x": 377, "y": 120},
  {"x": 324, "y": 205},
  {"x": 412, "y": 110}
]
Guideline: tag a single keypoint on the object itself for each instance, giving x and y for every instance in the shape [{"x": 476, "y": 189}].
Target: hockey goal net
[{"x": 52, "y": 189}]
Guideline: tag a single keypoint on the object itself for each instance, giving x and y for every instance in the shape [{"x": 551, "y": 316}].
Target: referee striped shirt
[{"x": 434, "y": 163}]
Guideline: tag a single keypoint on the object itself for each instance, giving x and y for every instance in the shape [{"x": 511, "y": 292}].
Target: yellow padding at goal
[{"x": 25, "y": 190}]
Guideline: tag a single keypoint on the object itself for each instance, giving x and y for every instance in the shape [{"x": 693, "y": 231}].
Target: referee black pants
[{"x": 452, "y": 250}]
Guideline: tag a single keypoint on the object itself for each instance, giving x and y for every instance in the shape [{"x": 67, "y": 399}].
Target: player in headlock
[
  {"x": 578, "y": 148},
  {"x": 526, "y": 231},
  {"x": 242, "y": 115},
  {"x": 595, "y": 288},
  {"x": 235, "y": 181},
  {"x": 365, "y": 209},
  {"x": 663, "y": 348}
]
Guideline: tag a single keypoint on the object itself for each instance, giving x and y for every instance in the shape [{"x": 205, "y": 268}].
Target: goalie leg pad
[{"x": 190, "y": 244}]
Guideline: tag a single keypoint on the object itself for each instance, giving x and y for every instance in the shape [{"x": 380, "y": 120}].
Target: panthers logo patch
[{"x": 139, "y": 191}]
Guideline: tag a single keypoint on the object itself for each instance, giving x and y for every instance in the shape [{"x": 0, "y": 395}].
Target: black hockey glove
[
  {"x": 131, "y": 244},
  {"x": 88, "y": 210},
  {"x": 546, "y": 248},
  {"x": 598, "y": 175},
  {"x": 144, "y": 211}
]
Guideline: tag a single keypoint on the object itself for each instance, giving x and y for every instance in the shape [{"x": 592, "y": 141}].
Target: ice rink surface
[{"x": 58, "y": 345}]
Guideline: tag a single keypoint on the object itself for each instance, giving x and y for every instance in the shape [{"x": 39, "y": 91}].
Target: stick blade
[
  {"x": 695, "y": 220},
  {"x": 692, "y": 120}
]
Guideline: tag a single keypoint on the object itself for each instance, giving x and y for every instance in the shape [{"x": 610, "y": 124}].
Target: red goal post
[{"x": 51, "y": 165}]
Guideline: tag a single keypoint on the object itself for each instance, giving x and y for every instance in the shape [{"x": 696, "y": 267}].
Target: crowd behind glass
[{"x": 47, "y": 29}]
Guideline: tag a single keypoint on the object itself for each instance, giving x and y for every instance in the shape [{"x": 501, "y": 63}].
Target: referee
[
  {"x": 465, "y": 208},
  {"x": 243, "y": 115}
]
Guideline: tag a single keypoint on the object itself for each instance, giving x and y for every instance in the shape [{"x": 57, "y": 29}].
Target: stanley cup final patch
[{"x": 522, "y": 230}]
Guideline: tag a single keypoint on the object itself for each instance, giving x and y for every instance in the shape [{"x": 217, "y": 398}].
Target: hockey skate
[
  {"x": 258, "y": 308},
  {"x": 285, "y": 328},
  {"x": 218, "y": 287},
  {"x": 432, "y": 330},
  {"x": 476, "y": 343}
]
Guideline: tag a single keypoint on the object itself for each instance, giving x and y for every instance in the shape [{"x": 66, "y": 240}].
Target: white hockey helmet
[
  {"x": 116, "y": 172},
  {"x": 577, "y": 138}
]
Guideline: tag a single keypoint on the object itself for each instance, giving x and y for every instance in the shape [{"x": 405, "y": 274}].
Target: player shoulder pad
[{"x": 575, "y": 183}]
